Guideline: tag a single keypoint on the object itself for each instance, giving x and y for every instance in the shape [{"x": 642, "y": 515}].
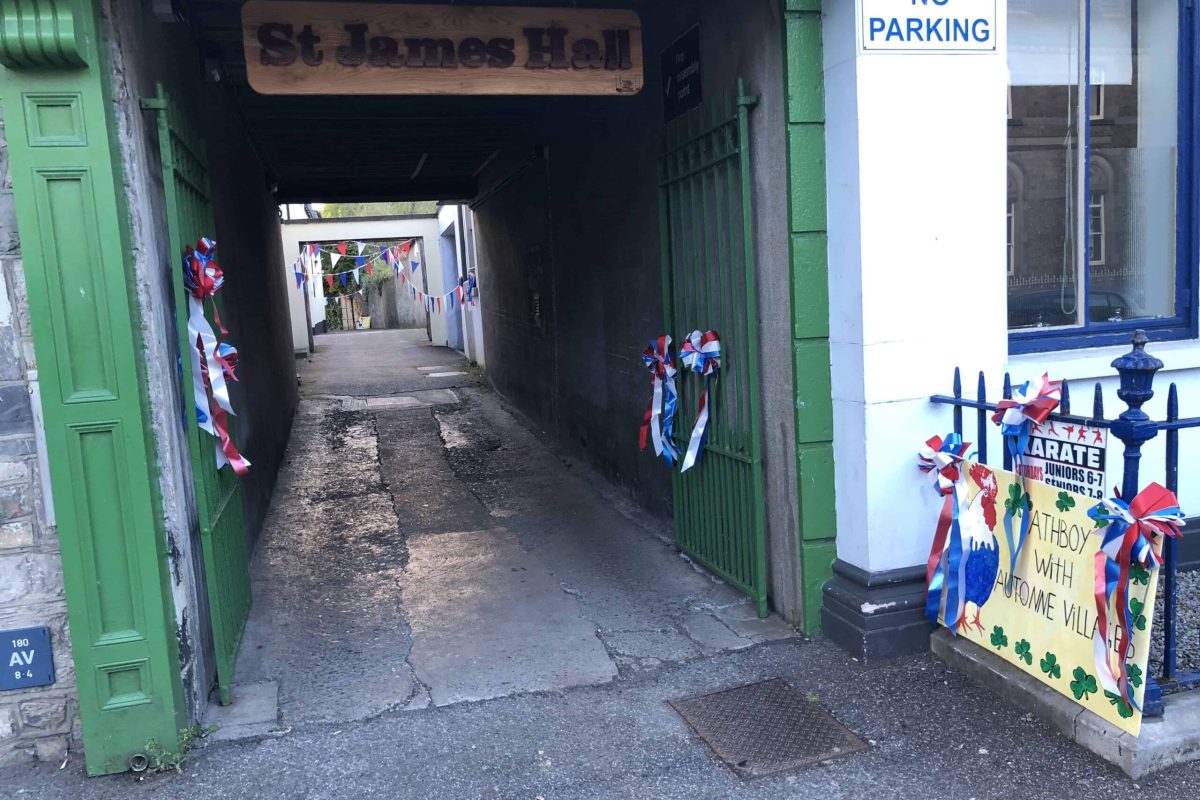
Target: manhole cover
[{"x": 767, "y": 727}]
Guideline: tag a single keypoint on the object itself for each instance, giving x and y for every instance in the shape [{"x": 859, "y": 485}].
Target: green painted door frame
[
  {"x": 810, "y": 300},
  {"x": 75, "y": 240}
]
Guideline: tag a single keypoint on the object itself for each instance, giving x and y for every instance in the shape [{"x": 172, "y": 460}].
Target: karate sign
[
  {"x": 1041, "y": 616},
  {"x": 1068, "y": 456}
]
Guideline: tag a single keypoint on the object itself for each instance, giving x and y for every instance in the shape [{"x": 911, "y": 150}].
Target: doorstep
[{"x": 1165, "y": 741}]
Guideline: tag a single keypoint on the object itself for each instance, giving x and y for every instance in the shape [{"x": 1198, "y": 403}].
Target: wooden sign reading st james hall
[{"x": 360, "y": 48}]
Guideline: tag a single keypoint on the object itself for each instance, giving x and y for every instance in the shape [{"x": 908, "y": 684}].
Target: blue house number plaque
[{"x": 25, "y": 658}]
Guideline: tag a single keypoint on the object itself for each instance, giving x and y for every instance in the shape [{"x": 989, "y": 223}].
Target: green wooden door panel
[
  {"x": 74, "y": 231},
  {"x": 709, "y": 284},
  {"x": 218, "y": 492}
]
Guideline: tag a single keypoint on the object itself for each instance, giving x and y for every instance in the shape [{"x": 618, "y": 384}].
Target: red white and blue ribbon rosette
[
  {"x": 701, "y": 353},
  {"x": 941, "y": 459},
  {"x": 1127, "y": 538},
  {"x": 659, "y": 422},
  {"x": 1031, "y": 404},
  {"x": 213, "y": 362}
]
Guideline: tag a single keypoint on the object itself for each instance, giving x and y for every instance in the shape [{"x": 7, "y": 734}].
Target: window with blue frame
[{"x": 1099, "y": 185}]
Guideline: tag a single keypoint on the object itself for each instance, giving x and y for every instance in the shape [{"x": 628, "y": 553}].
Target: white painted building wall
[
  {"x": 455, "y": 224},
  {"x": 916, "y": 170}
]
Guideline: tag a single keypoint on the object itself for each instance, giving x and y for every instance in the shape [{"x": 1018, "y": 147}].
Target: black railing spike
[
  {"x": 1007, "y": 386},
  {"x": 1098, "y": 402},
  {"x": 958, "y": 422},
  {"x": 1066, "y": 398},
  {"x": 1170, "y": 662},
  {"x": 981, "y": 420}
]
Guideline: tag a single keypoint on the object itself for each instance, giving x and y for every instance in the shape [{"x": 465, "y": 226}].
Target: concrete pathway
[
  {"x": 424, "y": 547},
  {"x": 498, "y": 570}
]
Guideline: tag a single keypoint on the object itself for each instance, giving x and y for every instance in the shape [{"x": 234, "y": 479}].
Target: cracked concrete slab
[
  {"x": 254, "y": 712},
  {"x": 489, "y": 621}
]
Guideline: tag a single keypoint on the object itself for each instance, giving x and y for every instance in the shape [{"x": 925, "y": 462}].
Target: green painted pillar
[
  {"x": 74, "y": 230},
  {"x": 810, "y": 300}
]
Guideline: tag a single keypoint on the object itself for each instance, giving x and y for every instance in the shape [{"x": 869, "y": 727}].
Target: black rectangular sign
[{"x": 681, "y": 75}]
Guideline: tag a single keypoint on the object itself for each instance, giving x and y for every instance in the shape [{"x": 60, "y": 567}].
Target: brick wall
[{"x": 34, "y": 723}]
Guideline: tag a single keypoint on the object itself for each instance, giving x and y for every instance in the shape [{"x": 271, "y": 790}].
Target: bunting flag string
[
  {"x": 1030, "y": 405},
  {"x": 1131, "y": 535},
  {"x": 389, "y": 254},
  {"x": 213, "y": 361},
  {"x": 464, "y": 294},
  {"x": 701, "y": 353}
]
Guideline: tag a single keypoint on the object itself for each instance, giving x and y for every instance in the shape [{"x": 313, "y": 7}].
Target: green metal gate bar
[
  {"x": 709, "y": 282},
  {"x": 218, "y": 493}
]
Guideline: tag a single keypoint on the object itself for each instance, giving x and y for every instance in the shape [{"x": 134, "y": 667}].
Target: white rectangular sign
[
  {"x": 927, "y": 26},
  {"x": 1068, "y": 456}
]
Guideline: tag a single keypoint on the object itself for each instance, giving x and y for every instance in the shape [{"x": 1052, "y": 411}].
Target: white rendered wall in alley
[
  {"x": 352, "y": 230},
  {"x": 916, "y": 154}
]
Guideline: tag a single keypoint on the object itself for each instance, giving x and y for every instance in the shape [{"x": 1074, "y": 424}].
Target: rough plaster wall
[
  {"x": 570, "y": 272},
  {"x": 40, "y": 722},
  {"x": 134, "y": 71}
]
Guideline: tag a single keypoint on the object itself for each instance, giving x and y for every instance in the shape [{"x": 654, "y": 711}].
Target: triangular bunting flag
[
  {"x": 329, "y": 281},
  {"x": 342, "y": 248},
  {"x": 370, "y": 265},
  {"x": 342, "y": 277}
]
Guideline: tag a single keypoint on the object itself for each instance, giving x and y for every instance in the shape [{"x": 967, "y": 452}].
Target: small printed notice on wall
[
  {"x": 1041, "y": 616},
  {"x": 927, "y": 26},
  {"x": 1068, "y": 456},
  {"x": 25, "y": 658}
]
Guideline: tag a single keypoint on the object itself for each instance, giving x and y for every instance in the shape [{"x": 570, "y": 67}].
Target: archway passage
[
  {"x": 597, "y": 225},
  {"x": 426, "y": 546}
]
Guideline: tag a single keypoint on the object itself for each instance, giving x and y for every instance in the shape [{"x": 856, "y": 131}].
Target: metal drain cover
[{"x": 766, "y": 727}]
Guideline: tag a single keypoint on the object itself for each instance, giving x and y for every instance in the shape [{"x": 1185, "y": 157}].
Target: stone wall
[{"x": 38, "y": 722}]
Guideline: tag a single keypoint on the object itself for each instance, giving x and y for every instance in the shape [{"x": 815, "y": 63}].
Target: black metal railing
[{"x": 1134, "y": 428}]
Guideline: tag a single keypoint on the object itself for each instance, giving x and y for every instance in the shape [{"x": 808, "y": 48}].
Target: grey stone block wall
[{"x": 39, "y": 723}]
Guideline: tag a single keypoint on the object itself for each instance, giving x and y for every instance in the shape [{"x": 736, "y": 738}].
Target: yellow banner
[{"x": 1041, "y": 617}]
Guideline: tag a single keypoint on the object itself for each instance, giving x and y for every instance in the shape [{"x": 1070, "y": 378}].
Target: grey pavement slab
[
  {"x": 254, "y": 712},
  {"x": 488, "y": 620}
]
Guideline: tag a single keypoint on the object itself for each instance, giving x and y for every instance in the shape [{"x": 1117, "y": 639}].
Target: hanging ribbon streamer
[
  {"x": 1128, "y": 538},
  {"x": 1031, "y": 405},
  {"x": 659, "y": 421},
  {"x": 941, "y": 459},
  {"x": 701, "y": 353},
  {"x": 210, "y": 363}
]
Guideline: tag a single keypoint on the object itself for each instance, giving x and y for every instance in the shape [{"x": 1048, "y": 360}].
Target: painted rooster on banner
[{"x": 981, "y": 550}]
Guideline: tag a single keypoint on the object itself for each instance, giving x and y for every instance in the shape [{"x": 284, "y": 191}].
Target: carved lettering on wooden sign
[{"x": 359, "y": 48}]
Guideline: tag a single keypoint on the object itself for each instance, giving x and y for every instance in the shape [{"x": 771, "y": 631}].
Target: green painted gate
[
  {"x": 218, "y": 492},
  {"x": 709, "y": 283}
]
